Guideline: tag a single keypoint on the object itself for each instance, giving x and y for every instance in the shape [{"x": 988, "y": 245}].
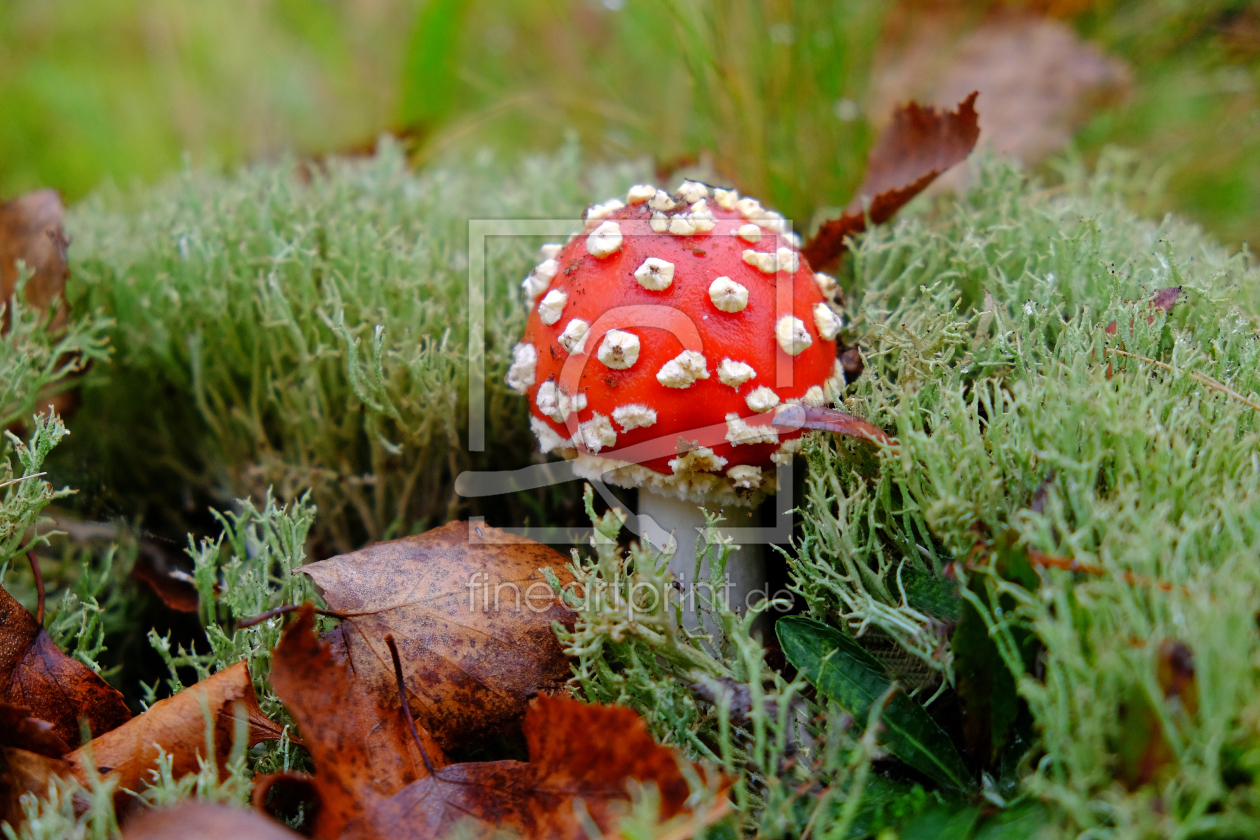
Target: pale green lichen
[
  {"x": 305, "y": 328},
  {"x": 986, "y": 345}
]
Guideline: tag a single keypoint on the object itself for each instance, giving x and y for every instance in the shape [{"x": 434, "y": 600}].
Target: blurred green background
[{"x": 770, "y": 94}]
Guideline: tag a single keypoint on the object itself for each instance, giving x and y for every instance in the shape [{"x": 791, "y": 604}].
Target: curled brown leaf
[
  {"x": 282, "y": 794},
  {"x": 23, "y": 772},
  {"x": 178, "y": 726},
  {"x": 51, "y": 686},
  {"x": 918, "y": 145}
]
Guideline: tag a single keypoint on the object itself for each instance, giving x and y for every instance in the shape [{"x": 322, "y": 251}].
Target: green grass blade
[
  {"x": 432, "y": 74},
  {"x": 838, "y": 667}
]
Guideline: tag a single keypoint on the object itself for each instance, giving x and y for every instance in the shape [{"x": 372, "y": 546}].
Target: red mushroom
[{"x": 663, "y": 342}]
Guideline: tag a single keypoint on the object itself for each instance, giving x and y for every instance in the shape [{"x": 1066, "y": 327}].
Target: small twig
[
  {"x": 402, "y": 696},
  {"x": 1194, "y": 374},
  {"x": 287, "y": 608},
  {"x": 39, "y": 586},
  {"x": 1040, "y": 558},
  {"x": 20, "y": 479}
]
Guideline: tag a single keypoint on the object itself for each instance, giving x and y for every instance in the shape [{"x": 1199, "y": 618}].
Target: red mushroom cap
[{"x": 663, "y": 338}]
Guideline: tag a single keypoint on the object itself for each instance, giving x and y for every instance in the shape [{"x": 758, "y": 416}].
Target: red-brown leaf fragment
[
  {"x": 577, "y": 751},
  {"x": 472, "y": 616},
  {"x": 1145, "y": 753},
  {"x": 178, "y": 595},
  {"x": 1174, "y": 670},
  {"x": 1162, "y": 299},
  {"x": 1165, "y": 298},
  {"x": 362, "y": 748},
  {"x": 919, "y": 144},
  {"x": 37, "y": 676}
]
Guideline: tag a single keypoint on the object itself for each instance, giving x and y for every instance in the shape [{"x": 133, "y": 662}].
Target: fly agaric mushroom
[{"x": 681, "y": 345}]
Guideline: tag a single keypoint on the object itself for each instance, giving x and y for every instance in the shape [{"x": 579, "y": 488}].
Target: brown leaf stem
[
  {"x": 406, "y": 709},
  {"x": 39, "y": 587}
]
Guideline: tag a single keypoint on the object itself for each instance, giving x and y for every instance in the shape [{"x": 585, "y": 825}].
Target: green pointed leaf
[
  {"x": 942, "y": 821},
  {"x": 431, "y": 77},
  {"x": 1019, "y": 822},
  {"x": 841, "y": 669}
]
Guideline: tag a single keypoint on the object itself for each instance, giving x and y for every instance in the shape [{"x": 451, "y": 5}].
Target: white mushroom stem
[{"x": 660, "y": 516}]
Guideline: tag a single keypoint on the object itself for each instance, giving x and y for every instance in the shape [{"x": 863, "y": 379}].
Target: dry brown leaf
[
  {"x": 362, "y": 747},
  {"x": 576, "y": 751},
  {"x": 195, "y": 820},
  {"x": 37, "y": 676},
  {"x": 919, "y": 144},
  {"x": 154, "y": 567},
  {"x": 30, "y": 230},
  {"x": 24, "y": 772},
  {"x": 472, "y": 619},
  {"x": 179, "y": 595},
  {"x": 19, "y": 728},
  {"x": 178, "y": 725}
]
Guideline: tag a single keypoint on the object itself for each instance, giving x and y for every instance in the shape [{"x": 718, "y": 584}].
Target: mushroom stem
[{"x": 661, "y": 516}]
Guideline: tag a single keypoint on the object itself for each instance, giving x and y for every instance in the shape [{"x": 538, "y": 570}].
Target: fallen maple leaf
[
  {"x": 195, "y": 820},
  {"x": 919, "y": 144},
  {"x": 51, "y": 686},
  {"x": 362, "y": 748},
  {"x": 472, "y": 619},
  {"x": 577, "y": 751},
  {"x": 177, "y": 725},
  {"x": 30, "y": 230}
]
